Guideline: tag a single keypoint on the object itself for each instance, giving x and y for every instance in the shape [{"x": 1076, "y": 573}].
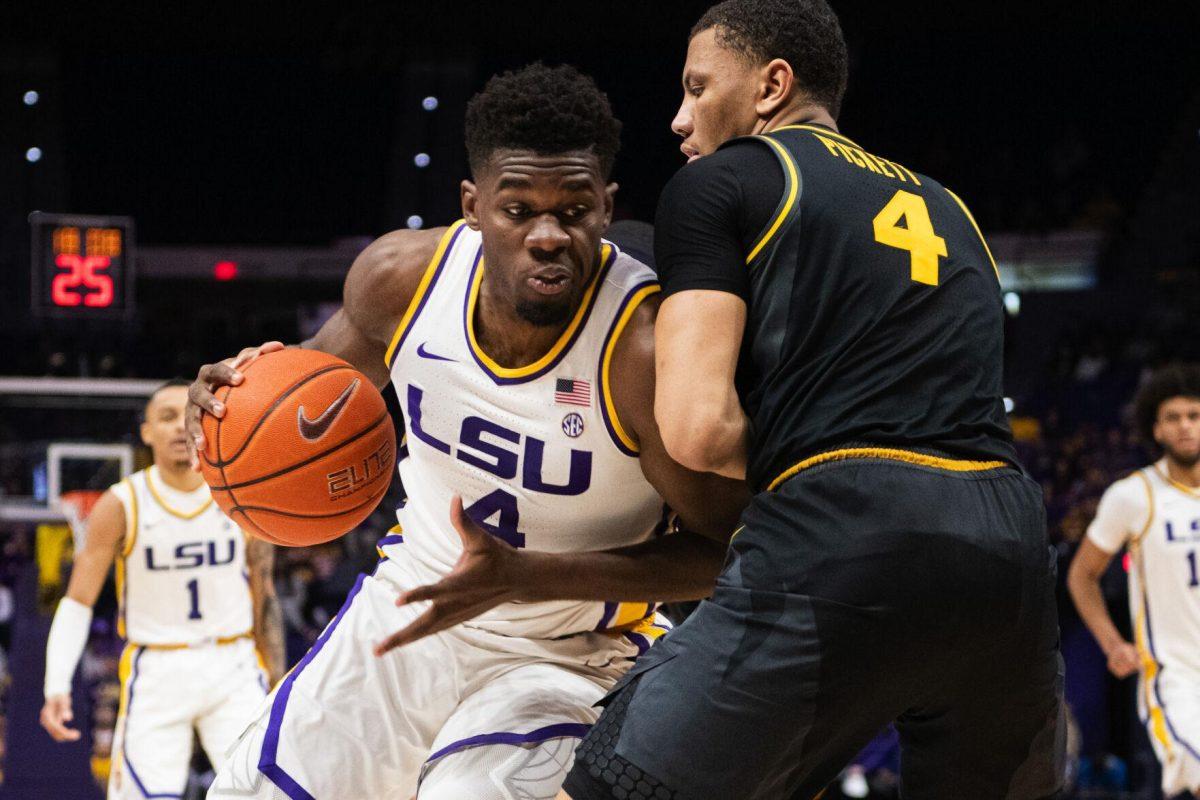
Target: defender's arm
[
  {"x": 700, "y": 231},
  {"x": 697, "y": 341}
]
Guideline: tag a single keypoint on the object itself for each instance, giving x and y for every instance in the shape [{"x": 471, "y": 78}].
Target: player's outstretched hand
[
  {"x": 1123, "y": 660},
  {"x": 200, "y": 394},
  {"x": 485, "y": 576},
  {"x": 56, "y": 713}
]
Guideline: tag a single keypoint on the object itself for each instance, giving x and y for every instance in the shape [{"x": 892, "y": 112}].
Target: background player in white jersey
[
  {"x": 197, "y": 606},
  {"x": 521, "y": 347},
  {"x": 1155, "y": 513}
]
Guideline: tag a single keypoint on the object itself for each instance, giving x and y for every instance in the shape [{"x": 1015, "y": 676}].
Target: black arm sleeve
[{"x": 709, "y": 216}]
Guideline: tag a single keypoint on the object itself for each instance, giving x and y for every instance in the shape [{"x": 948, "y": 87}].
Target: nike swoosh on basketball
[
  {"x": 423, "y": 353},
  {"x": 313, "y": 429}
]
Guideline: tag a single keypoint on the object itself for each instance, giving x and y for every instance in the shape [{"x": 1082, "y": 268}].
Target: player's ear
[
  {"x": 144, "y": 431},
  {"x": 775, "y": 87},
  {"x": 470, "y": 204},
  {"x": 610, "y": 193}
]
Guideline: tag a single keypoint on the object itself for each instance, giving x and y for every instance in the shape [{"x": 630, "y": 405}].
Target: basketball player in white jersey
[
  {"x": 197, "y": 603},
  {"x": 1155, "y": 514},
  {"x": 520, "y": 345}
]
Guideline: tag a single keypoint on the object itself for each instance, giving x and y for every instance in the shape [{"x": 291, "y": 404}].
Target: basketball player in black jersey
[{"x": 832, "y": 331}]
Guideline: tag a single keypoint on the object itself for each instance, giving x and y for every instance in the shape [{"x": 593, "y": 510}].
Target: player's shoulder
[
  {"x": 123, "y": 489},
  {"x": 728, "y": 172},
  {"x": 633, "y": 290},
  {"x": 737, "y": 160},
  {"x": 385, "y": 275},
  {"x": 112, "y": 513},
  {"x": 632, "y": 327},
  {"x": 626, "y": 273},
  {"x": 1132, "y": 490},
  {"x": 632, "y": 361},
  {"x": 400, "y": 254}
]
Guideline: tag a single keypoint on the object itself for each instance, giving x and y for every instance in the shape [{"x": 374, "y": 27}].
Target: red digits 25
[{"x": 83, "y": 271}]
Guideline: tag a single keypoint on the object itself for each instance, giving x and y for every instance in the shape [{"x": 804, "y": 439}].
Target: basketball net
[{"x": 76, "y": 506}]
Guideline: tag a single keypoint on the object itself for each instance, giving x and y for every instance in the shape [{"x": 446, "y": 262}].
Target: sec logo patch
[{"x": 572, "y": 425}]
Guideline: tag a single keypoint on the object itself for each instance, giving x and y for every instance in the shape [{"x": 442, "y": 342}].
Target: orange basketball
[{"x": 305, "y": 450}]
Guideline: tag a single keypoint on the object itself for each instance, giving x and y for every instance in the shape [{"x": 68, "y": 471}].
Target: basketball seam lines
[
  {"x": 229, "y": 487},
  {"x": 270, "y": 510},
  {"x": 220, "y": 462}
]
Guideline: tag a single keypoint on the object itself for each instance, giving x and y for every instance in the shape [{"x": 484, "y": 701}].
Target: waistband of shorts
[
  {"x": 913, "y": 457},
  {"x": 219, "y": 641}
]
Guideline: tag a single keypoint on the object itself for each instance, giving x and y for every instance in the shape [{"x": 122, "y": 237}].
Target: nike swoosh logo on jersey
[
  {"x": 313, "y": 429},
  {"x": 423, "y": 353}
]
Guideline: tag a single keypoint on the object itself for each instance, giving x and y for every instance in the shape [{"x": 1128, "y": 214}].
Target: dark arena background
[{"x": 204, "y": 175}]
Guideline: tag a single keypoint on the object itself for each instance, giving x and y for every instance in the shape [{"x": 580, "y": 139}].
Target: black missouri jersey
[{"x": 874, "y": 307}]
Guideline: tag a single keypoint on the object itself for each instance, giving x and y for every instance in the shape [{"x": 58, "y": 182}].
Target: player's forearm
[
  {"x": 268, "y": 635},
  {"x": 64, "y": 647},
  {"x": 1089, "y": 601},
  {"x": 682, "y": 566},
  {"x": 340, "y": 337},
  {"x": 268, "y": 617}
]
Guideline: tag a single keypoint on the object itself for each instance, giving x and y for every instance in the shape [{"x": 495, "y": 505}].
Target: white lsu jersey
[
  {"x": 1159, "y": 520},
  {"x": 537, "y": 452},
  {"x": 181, "y": 575}
]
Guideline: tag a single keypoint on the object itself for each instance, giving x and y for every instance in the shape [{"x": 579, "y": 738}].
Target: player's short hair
[
  {"x": 549, "y": 110},
  {"x": 804, "y": 33},
  {"x": 1173, "y": 380},
  {"x": 167, "y": 385}
]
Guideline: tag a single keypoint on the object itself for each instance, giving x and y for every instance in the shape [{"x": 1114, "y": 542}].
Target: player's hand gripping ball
[{"x": 305, "y": 449}]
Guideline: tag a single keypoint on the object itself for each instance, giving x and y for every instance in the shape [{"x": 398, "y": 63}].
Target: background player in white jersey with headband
[
  {"x": 1155, "y": 513},
  {"x": 196, "y": 603},
  {"x": 521, "y": 348}
]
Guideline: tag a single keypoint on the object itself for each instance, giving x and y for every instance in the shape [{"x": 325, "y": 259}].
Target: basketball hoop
[{"x": 76, "y": 507}]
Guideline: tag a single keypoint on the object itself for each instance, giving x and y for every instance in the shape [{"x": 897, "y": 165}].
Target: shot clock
[{"x": 83, "y": 266}]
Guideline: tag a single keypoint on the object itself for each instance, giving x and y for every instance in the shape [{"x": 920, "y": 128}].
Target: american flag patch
[{"x": 572, "y": 392}]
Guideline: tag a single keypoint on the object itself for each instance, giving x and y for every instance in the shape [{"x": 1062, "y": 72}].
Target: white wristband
[{"x": 68, "y": 637}]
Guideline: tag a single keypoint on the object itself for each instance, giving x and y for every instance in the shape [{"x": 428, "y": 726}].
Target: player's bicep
[
  {"x": 104, "y": 541},
  {"x": 340, "y": 337},
  {"x": 378, "y": 289},
  {"x": 707, "y": 503},
  {"x": 1122, "y": 514},
  {"x": 1090, "y": 561},
  {"x": 260, "y": 563},
  {"x": 697, "y": 340},
  {"x": 698, "y": 238}
]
